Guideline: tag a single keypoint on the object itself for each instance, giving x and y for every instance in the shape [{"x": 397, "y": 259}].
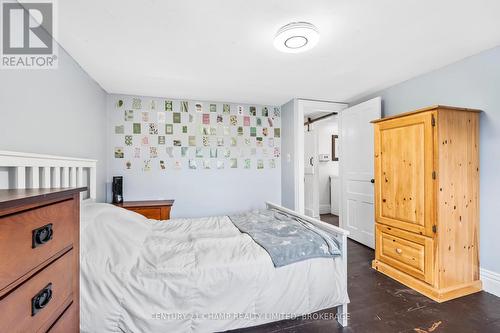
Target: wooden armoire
[{"x": 427, "y": 200}]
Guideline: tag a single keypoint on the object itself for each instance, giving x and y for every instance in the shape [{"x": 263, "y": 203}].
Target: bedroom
[{"x": 199, "y": 106}]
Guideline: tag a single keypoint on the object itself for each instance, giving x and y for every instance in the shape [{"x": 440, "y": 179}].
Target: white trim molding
[{"x": 491, "y": 281}]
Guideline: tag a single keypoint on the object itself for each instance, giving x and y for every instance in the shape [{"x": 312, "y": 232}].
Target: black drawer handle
[
  {"x": 42, "y": 235},
  {"x": 40, "y": 300}
]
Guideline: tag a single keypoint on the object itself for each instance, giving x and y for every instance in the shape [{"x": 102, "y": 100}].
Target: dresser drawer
[
  {"x": 405, "y": 251},
  {"x": 150, "y": 213},
  {"x": 22, "y": 251},
  {"x": 17, "y": 310},
  {"x": 67, "y": 323}
]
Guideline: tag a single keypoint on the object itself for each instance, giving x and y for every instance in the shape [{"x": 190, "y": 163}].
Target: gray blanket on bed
[{"x": 286, "y": 238}]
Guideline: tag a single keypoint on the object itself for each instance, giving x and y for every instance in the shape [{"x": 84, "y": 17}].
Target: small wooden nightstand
[{"x": 152, "y": 209}]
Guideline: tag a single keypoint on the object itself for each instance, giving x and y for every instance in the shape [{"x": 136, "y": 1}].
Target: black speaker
[{"x": 117, "y": 189}]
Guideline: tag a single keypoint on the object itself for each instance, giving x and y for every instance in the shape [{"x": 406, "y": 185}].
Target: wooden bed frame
[
  {"x": 340, "y": 235},
  {"x": 28, "y": 170}
]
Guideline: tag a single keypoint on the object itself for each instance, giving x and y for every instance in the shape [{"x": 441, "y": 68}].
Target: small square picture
[
  {"x": 227, "y": 131},
  {"x": 177, "y": 165},
  {"x": 265, "y": 111},
  {"x": 272, "y": 164},
  {"x": 184, "y": 129},
  {"x": 168, "y": 106},
  {"x": 177, "y": 118},
  {"x": 153, "y": 128},
  {"x": 193, "y": 165},
  {"x": 276, "y": 152},
  {"x": 253, "y": 111},
  {"x": 270, "y": 122},
  {"x": 161, "y": 139},
  {"x": 240, "y": 110},
  {"x": 170, "y": 152},
  {"x": 137, "y": 152},
  {"x": 213, "y": 107},
  {"x": 206, "y": 119},
  {"x": 162, "y": 165},
  {"x": 276, "y": 112},
  {"x": 206, "y": 141},
  {"x": 220, "y": 141},
  {"x": 199, "y": 152},
  {"x": 206, "y": 164},
  {"x": 120, "y": 129},
  {"x": 246, "y": 121},
  {"x": 128, "y": 165},
  {"x": 233, "y": 120},
  {"x": 213, "y": 152},
  {"x": 146, "y": 165},
  {"x": 128, "y": 140},
  {"x": 153, "y": 152},
  {"x": 247, "y": 163},
  {"x": 277, "y": 132},
  {"x": 184, "y": 151},
  {"x": 177, "y": 143},
  {"x": 227, "y": 153},
  {"x": 198, "y": 107},
  {"x": 220, "y": 119},
  {"x": 129, "y": 115},
  {"x": 270, "y": 142},
  {"x": 204, "y": 130},
  {"x": 253, "y": 131},
  {"x": 119, "y": 103},
  {"x": 240, "y": 130},
  {"x": 169, "y": 129},
  {"x": 260, "y": 164},
  {"x": 234, "y": 142},
  {"x": 119, "y": 152},
  {"x": 191, "y": 118},
  {"x": 136, "y": 128},
  {"x": 233, "y": 163},
  {"x": 136, "y": 103},
  {"x": 265, "y": 131},
  {"x": 162, "y": 117},
  {"x": 192, "y": 140},
  {"x": 247, "y": 141},
  {"x": 152, "y": 105},
  {"x": 220, "y": 164},
  {"x": 258, "y": 121},
  {"x": 145, "y": 141},
  {"x": 259, "y": 142},
  {"x": 184, "y": 106},
  {"x": 213, "y": 131},
  {"x": 226, "y": 108}
]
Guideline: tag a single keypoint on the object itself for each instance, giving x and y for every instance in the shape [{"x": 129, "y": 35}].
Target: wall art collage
[{"x": 166, "y": 134}]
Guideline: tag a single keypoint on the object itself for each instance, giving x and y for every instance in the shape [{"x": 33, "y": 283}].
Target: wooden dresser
[
  {"x": 152, "y": 209},
  {"x": 39, "y": 256},
  {"x": 427, "y": 200}
]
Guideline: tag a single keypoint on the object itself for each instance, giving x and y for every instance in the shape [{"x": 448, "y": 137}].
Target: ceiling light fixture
[{"x": 296, "y": 37}]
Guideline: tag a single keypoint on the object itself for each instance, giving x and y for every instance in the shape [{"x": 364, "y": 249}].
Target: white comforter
[{"x": 190, "y": 275}]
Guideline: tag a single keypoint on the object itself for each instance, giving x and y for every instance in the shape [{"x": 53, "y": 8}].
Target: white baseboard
[
  {"x": 324, "y": 209},
  {"x": 491, "y": 281}
]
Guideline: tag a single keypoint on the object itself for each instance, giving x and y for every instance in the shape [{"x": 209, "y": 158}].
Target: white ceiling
[{"x": 223, "y": 50}]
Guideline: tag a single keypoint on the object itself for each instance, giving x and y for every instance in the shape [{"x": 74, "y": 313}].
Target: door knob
[{"x": 372, "y": 181}]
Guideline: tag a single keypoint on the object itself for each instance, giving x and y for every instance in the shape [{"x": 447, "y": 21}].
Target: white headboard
[{"x": 27, "y": 170}]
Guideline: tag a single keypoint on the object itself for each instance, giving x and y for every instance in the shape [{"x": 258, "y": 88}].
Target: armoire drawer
[
  {"x": 30, "y": 238},
  {"x": 35, "y": 304},
  {"x": 405, "y": 251}
]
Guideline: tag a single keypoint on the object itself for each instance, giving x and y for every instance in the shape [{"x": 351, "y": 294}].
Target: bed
[{"x": 185, "y": 275}]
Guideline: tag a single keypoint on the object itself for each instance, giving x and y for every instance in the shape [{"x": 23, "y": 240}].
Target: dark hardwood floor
[{"x": 380, "y": 304}]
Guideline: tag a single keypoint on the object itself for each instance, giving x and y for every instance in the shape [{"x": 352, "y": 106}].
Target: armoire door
[{"x": 404, "y": 166}]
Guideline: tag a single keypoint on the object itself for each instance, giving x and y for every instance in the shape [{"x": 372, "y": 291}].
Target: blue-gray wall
[
  {"x": 473, "y": 82},
  {"x": 57, "y": 112}
]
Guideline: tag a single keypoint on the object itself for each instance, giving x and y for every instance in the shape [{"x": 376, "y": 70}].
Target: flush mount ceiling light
[{"x": 296, "y": 37}]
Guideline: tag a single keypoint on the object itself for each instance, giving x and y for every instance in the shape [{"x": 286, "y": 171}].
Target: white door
[
  {"x": 311, "y": 177},
  {"x": 356, "y": 170}
]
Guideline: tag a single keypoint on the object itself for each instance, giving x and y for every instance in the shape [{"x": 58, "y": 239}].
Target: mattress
[{"x": 190, "y": 275}]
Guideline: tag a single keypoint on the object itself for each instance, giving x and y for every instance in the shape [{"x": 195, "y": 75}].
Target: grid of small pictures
[{"x": 170, "y": 134}]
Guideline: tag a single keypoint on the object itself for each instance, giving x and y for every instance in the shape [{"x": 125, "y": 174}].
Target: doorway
[{"x": 351, "y": 184}]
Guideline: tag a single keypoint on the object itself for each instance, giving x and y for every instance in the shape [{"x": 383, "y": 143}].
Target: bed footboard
[{"x": 341, "y": 236}]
